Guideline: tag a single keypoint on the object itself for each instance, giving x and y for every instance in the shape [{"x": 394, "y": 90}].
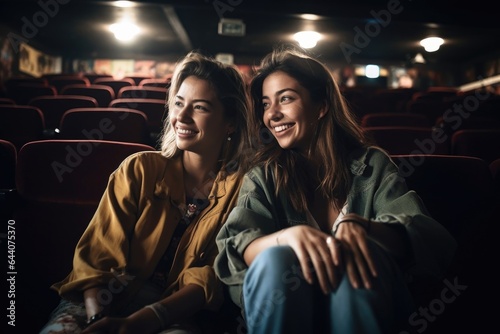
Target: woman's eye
[
  {"x": 177, "y": 104},
  {"x": 202, "y": 108},
  {"x": 285, "y": 98},
  {"x": 265, "y": 105}
]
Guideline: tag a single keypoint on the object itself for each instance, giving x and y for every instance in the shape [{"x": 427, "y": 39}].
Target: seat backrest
[
  {"x": 456, "y": 190},
  {"x": 92, "y": 77},
  {"x": 59, "y": 184},
  {"x": 53, "y": 107},
  {"x": 153, "y": 108},
  {"x": 12, "y": 83},
  {"x": 394, "y": 119},
  {"x": 143, "y": 92},
  {"x": 162, "y": 83},
  {"x": 103, "y": 94},
  {"x": 115, "y": 124},
  {"x": 20, "y": 124},
  {"x": 138, "y": 78},
  {"x": 392, "y": 100},
  {"x": 409, "y": 140},
  {"x": 23, "y": 93},
  {"x": 495, "y": 173},
  {"x": 61, "y": 81},
  {"x": 116, "y": 84},
  {"x": 8, "y": 159},
  {"x": 480, "y": 143},
  {"x": 432, "y": 109},
  {"x": 6, "y": 100}
]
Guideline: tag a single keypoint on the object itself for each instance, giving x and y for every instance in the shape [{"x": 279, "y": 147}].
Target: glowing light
[
  {"x": 124, "y": 4},
  {"x": 310, "y": 17},
  {"x": 307, "y": 39},
  {"x": 372, "y": 71},
  {"x": 431, "y": 44},
  {"x": 124, "y": 31}
]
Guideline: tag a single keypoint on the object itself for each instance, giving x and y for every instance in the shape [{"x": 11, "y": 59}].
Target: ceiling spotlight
[
  {"x": 307, "y": 39},
  {"x": 431, "y": 44},
  {"x": 124, "y": 31},
  {"x": 124, "y": 4}
]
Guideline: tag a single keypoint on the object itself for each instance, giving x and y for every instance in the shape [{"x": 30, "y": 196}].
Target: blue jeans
[{"x": 277, "y": 299}]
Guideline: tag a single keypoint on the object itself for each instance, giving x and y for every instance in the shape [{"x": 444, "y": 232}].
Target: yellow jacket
[{"x": 133, "y": 225}]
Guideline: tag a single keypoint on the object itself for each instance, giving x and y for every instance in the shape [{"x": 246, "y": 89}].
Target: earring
[{"x": 228, "y": 138}]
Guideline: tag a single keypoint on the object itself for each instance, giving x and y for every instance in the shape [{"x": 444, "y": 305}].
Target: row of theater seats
[
  {"x": 403, "y": 133},
  {"x": 77, "y": 117},
  {"x": 58, "y": 183},
  {"x": 103, "y": 88},
  {"x": 34, "y": 107},
  {"x": 470, "y": 107}
]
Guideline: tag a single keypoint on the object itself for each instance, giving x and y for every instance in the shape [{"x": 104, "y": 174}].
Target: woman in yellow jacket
[{"x": 144, "y": 264}]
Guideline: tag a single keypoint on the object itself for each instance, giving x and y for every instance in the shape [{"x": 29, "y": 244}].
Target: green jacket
[
  {"x": 377, "y": 193},
  {"x": 133, "y": 226}
]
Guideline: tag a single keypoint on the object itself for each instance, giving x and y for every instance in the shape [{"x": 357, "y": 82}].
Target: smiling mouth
[
  {"x": 283, "y": 127},
  {"x": 185, "y": 132}
]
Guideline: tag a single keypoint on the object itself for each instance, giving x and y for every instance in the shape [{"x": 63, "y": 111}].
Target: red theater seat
[
  {"x": 8, "y": 159},
  {"x": 143, "y": 92},
  {"x": 394, "y": 119},
  {"x": 53, "y": 107},
  {"x": 103, "y": 94},
  {"x": 59, "y": 184},
  {"x": 409, "y": 140},
  {"x": 480, "y": 143},
  {"x": 21, "y": 124},
  {"x": 116, "y": 84},
  {"x": 153, "y": 108},
  {"x": 115, "y": 124}
]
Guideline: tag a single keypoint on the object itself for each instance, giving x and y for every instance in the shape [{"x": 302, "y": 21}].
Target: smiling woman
[
  {"x": 325, "y": 252},
  {"x": 128, "y": 275}
]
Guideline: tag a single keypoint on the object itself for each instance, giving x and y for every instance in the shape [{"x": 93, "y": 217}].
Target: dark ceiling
[{"x": 77, "y": 29}]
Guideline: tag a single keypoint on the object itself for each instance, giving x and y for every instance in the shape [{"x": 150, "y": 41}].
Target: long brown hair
[{"x": 338, "y": 133}]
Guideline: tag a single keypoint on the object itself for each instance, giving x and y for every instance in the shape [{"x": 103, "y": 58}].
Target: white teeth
[
  {"x": 185, "y": 131},
  {"x": 282, "y": 127}
]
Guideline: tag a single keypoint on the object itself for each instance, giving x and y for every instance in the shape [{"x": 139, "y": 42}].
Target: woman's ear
[{"x": 230, "y": 129}]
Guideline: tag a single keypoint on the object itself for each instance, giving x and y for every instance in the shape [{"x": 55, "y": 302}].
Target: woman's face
[
  {"x": 198, "y": 118},
  {"x": 289, "y": 112}
]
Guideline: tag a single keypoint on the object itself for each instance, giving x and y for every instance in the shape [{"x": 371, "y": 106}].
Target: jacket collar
[{"x": 171, "y": 185}]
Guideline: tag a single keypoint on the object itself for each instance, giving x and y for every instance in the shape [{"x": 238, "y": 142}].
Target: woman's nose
[
  {"x": 183, "y": 114},
  {"x": 274, "y": 111}
]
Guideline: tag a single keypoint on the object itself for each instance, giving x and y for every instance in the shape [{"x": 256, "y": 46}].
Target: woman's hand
[
  {"x": 317, "y": 257},
  {"x": 356, "y": 256}
]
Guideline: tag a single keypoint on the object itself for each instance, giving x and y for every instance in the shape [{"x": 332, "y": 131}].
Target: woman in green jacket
[
  {"x": 324, "y": 231},
  {"x": 144, "y": 264}
]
